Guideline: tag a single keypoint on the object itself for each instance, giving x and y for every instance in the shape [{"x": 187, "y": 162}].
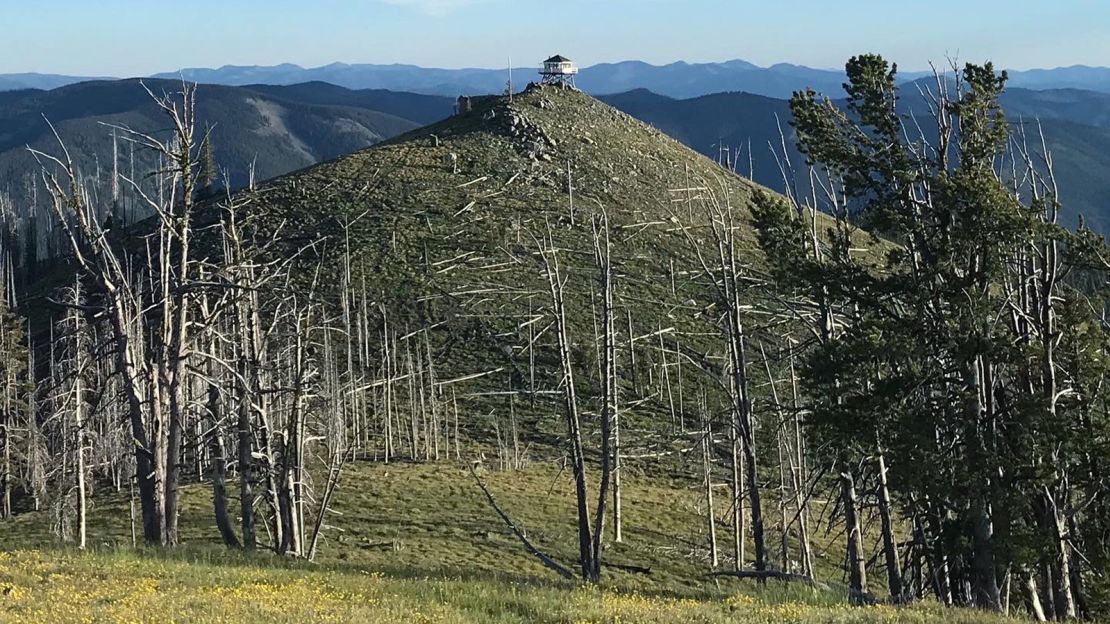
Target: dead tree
[
  {"x": 890, "y": 541},
  {"x": 707, "y": 475},
  {"x": 80, "y": 469},
  {"x": 150, "y": 319},
  {"x": 247, "y": 340},
  {"x": 618, "y": 536},
  {"x": 549, "y": 259},
  {"x": 728, "y": 283},
  {"x": 856, "y": 559},
  {"x": 255, "y": 270},
  {"x": 603, "y": 256},
  {"x": 213, "y": 408}
]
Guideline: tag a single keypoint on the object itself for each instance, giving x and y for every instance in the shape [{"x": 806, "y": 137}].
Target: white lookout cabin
[{"x": 559, "y": 70}]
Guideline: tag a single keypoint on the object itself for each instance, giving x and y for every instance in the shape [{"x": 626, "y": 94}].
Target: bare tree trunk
[
  {"x": 145, "y": 449},
  {"x": 387, "y": 392},
  {"x": 739, "y": 544},
  {"x": 665, "y": 378},
  {"x": 857, "y": 561},
  {"x": 603, "y": 250},
  {"x": 1082, "y": 607},
  {"x": 1048, "y": 596},
  {"x": 175, "y": 305},
  {"x": 785, "y": 453},
  {"x": 890, "y": 544},
  {"x": 6, "y": 468},
  {"x": 292, "y": 494},
  {"x": 79, "y": 415},
  {"x": 1064, "y": 597},
  {"x": 273, "y": 489},
  {"x": 707, "y": 476},
  {"x": 632, "y": 353},
  {"x": 173, "y": 457},
  {"x": 985, "y": 580},
  {"x": 724, "y": 230},
  {"x": 747, "y": 438},
  {"x": 942, "y": 574},
  {"x": 574, "y": 432},
  {"x": 617, "y": 535},
  {"x": 325, "y": 502},
  {"x": 150, "y": 362},
  {"x": 799, "y": 474},
  {"x": 131, "y": 509},
  {"x": 219, "y": 468},
  {"x": 1034, "y": 598},
  {"x": 245, "y": 434}
]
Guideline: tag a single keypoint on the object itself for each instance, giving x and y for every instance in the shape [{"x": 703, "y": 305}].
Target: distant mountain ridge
[
  {"x": 1076, "y": 125},
  {"x": 282, "y": 128},
  {"x": 1073, "y": 77},
  {"x": 679, "y": 79},
  {"x": 17, "y": 82},
  {"x": 271, "y": 130}
]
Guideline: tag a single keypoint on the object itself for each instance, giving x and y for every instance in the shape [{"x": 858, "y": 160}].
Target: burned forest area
[{"x": 539, "y": 361}]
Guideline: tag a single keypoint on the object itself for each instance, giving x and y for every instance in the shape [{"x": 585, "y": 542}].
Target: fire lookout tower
[{"x": 559, "y": 70}]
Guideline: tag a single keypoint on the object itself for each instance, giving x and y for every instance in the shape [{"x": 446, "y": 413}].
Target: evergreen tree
[
  {"x": 207, "y": 170},
  {"x": 951, "y": 351}
]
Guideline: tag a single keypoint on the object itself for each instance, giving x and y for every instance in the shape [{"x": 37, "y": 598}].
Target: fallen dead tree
[{"x": 546, "y": 559}]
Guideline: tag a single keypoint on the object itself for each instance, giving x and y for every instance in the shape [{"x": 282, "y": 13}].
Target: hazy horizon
[
  {"x": 76, "y": 37},
  {"x": 522, "y": 66}
]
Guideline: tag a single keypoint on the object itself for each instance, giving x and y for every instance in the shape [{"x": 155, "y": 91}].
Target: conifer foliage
[{"x": 965, "y": 365}]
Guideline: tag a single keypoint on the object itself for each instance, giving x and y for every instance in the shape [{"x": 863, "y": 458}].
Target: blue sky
[{"x": 139, "y": 37}]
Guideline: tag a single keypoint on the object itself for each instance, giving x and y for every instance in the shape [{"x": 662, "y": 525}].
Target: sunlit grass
[
  {"x": 65, "y": 586},
  {"x": 415, "y": 543}
]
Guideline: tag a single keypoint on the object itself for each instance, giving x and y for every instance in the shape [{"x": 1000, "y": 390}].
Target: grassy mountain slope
[
  {"x": 457, "y": 250},
  {"x": 414, "y": 544},
  {"x": 411, "y": 520},
  {"x": 442, "y": 224}
]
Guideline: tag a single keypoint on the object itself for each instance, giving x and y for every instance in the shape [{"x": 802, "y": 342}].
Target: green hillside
[
  {"x": 456, "y": 246},
  {"x": 414, "y": 543},
  {"x": 411, "y": 520},
  {"x": 443, "y": 230}
]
